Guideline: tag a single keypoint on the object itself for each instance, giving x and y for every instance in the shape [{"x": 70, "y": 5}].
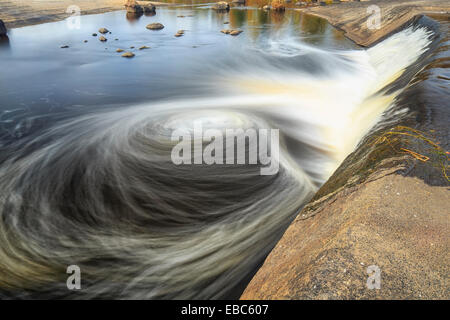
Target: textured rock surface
[
  {"x": 352, "y": 17},
  {"x": 325, "y": 254}
]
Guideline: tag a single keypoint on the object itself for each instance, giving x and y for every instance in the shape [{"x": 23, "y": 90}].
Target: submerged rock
[
  {"x": 128, "y": 55},
  {"x": 3, "y": 30},
  {"x": 103, "y": 30},
  {"x": 221, "y": 6},
  {"x": 155, "y": 26}
]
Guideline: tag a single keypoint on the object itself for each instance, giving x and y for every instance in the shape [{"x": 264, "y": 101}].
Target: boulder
[
  {"x": 3, "y": 30},
  {"x": 221, "y": 6},
  {"x": 155, "y": 26}
]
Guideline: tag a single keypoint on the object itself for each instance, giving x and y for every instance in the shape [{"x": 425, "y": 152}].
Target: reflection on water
[{"x": 93, "y": 73}]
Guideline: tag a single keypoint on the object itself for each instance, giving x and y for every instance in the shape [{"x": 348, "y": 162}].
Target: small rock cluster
[{"x": 133, "y": 7}]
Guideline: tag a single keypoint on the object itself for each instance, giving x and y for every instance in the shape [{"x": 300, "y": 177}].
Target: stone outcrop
[{"x": 352, "y": 17}]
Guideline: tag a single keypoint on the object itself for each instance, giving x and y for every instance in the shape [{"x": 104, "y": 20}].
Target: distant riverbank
[{"x": 17, "y": 14}]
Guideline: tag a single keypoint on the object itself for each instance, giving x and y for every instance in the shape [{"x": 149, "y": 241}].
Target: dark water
[{"x": 86, "y": 174}]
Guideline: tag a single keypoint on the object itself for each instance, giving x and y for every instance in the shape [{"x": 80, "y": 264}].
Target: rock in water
[
  {"x": 267, "y": 7},
  {"x": 64, "y": 47},
  {"x": 102, "y": 39},
  {"x": 144, "y": 47},
  {"x": 155, "y": 26},
  {"x": 149, "y": 8},
  {"x": 133, "y": 7},
  {"x": 235, "y": 32},
  {"x": 128, "y": 55},
  {"x": 221, "y": 6},
  {"x": 103, "y": 30},
  {"x": 3, "y": 30},
  {"x": 120, "y": 50},
  {"x": 231, "y": 32}
]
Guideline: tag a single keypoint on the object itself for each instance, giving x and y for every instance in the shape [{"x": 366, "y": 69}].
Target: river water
[{"x": 85, "y": 167}]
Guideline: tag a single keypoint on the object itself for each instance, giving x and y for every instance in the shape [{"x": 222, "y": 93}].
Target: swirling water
[{"x": 86, "y": 173}]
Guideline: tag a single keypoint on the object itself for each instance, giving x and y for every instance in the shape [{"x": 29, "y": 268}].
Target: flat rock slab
[
  {"x": 352, "y": 17},
  {"x": 398, "y": 224}
]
